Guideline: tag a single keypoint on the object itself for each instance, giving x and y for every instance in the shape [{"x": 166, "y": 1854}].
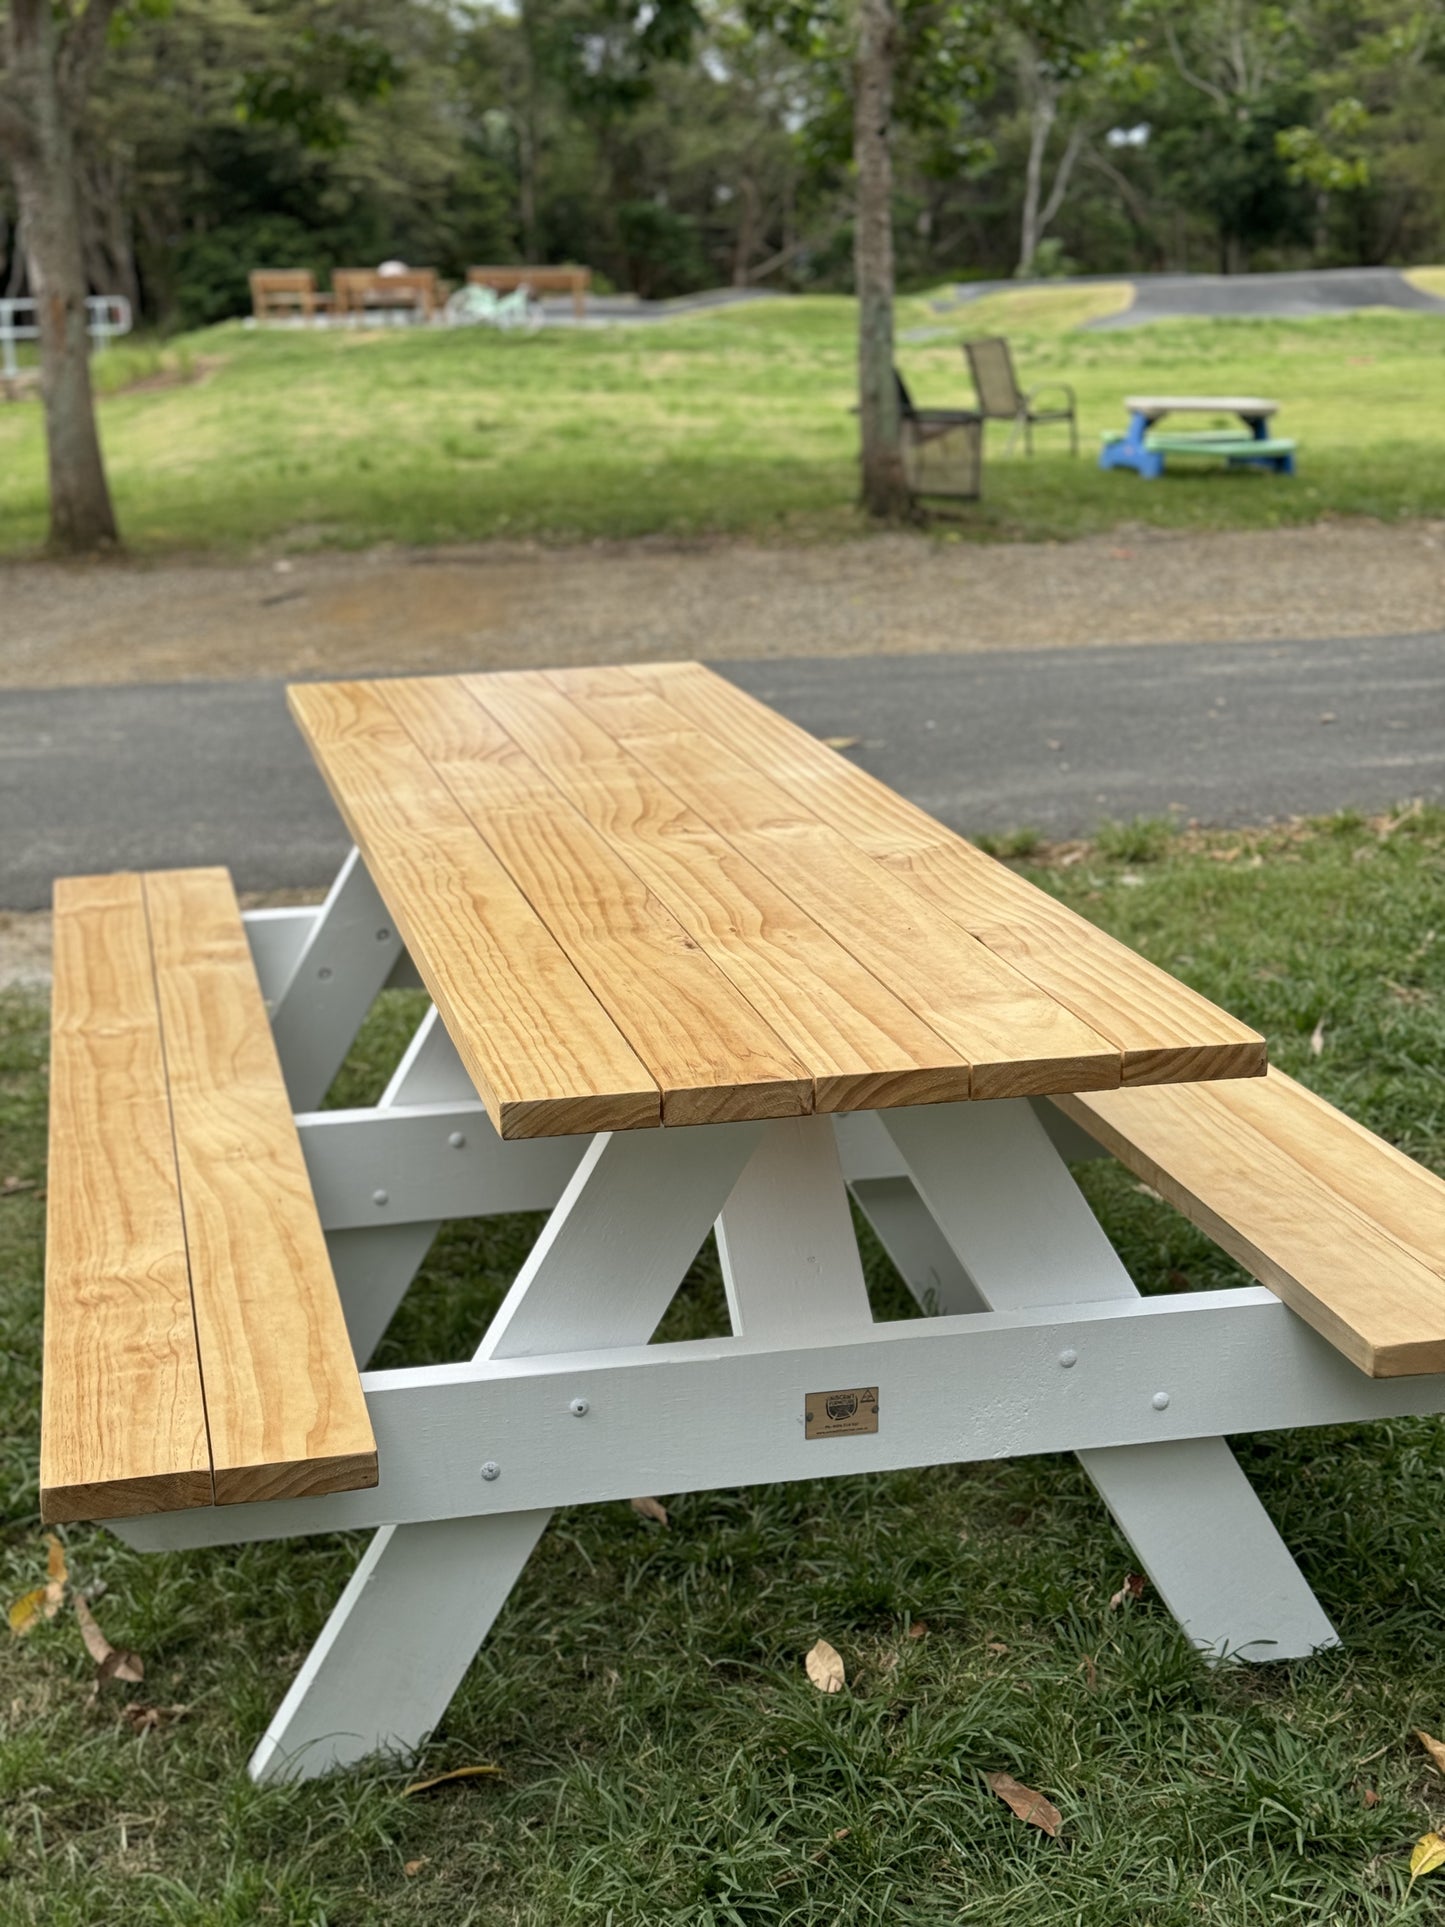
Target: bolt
[
  {"x": 1160, "y": 1401},
  {"x": 457, "y": 1140},
  {"x": 324, "y": 973},
  {"x": 1068, "y": 1357},
  {"x": 579, "y": 1408},
  {"x": 491, "y": 1470},
  {"x": 383, "y": 935},
  {"x": 381, "y": 1197}
]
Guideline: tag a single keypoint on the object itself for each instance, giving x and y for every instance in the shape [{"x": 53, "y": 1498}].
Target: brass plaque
[{"x": 840, "y": 1415}]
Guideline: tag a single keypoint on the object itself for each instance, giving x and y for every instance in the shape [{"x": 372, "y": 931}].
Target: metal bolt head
[
  {"x": 383, "y": 935},
  {"x": 1160, "y": 1401},
  {"x": 491, "y": 1470},
  {"x": 324, "y": 973},
  {"x": 579, "y": 1408},
  {"x": 381, "y": 1197},
  {"x": 1068, "y": 1357},
  {"x": 457, "y": 1140}
]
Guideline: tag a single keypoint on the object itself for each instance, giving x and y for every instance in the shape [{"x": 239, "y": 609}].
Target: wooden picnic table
[
  {"x": 1143, "y": 448},
  {"x": 688, "y": 968}
]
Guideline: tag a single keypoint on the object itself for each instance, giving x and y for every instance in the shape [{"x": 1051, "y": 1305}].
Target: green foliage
[
  {"x": 1143, "y": 839},
  {"x": 664, "y": 1758}
]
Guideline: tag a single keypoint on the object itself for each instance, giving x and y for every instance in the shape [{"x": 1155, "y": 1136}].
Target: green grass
[
  {"x": 734, "y": 422},
  {"x": 665, "y": 1760}
]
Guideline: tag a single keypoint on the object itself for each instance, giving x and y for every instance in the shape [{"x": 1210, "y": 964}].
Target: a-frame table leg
[
  {"x": 1024, "y": 1236},
  {"x": 602, "y": 1274}
]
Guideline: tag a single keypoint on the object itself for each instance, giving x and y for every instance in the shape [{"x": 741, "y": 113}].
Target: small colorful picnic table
[{"x": 1142, "y": 447}]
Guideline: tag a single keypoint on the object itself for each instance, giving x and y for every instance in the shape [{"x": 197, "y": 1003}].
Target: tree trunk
[
  {"x": 1041, "y": 123},
  {"x": 884, "y": 490},
  {"x": 44, "y": 166}
]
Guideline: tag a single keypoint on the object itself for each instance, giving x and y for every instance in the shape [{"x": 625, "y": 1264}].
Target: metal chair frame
[{"x": 1019, "y": 407}]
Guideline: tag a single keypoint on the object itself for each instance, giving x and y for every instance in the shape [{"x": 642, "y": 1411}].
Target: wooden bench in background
[
  {"x": 573, "y": 281},
  {"x": 358, "y": 290},
  {"x": 195, "y": 1349},
  {"x": 285, "y": 293}
]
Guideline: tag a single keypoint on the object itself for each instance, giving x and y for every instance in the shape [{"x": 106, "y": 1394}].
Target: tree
[
  {"x": 885, "y": 492},
  {"x": 52, "y": 49}
]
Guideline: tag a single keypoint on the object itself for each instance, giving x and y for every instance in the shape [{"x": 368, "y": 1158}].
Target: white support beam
[{"x": 726, "y": 1412}]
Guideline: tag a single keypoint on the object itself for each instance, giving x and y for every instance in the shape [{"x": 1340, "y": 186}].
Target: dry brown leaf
[
  {"x": 414, "y": 1867},
  {"x": 1370, "y": 1797},
  {"x": 1132, "y": 1588},
  {"x": 1030, "y": 1807},
  {"x": 447, "y": 1779},
  {"x": 919, "y": 1629},
  {"x": 26, "y": 1611},
  {"x": 1090, "y": 1671},
  {"x": 1432, "y": 1747},
  {"x": 145, "y": 1719},
  {"x": 995, "y": 1646},
  {"x": 842, "y": 742},
  {"x": 825, "y": 1668},
  {"x": 1317, "y": 1038},
  {"x": 650, "y": 1509},
  {"x": 111, "y": 1662}
]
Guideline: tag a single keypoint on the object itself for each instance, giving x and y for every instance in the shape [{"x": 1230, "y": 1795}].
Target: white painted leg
[
  {"x": 1024, "y": 1234},
  {"x": 785, "y": 1237},
  {"x": 349, "y": 952},
  {"x": 602, "y": 1274}
]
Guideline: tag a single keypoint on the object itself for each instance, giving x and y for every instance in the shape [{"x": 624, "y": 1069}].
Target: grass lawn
[
  {"x": 664, "y": 1759},
  {"x": 733, "y": 422}
]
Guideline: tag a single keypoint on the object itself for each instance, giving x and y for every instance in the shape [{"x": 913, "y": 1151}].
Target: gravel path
[{"x": 510, "y": 605}]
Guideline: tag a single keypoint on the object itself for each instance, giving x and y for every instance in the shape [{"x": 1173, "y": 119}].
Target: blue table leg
[
  {"x": 1130, "y": 450},
  {"x": 1258, "y": 426}
]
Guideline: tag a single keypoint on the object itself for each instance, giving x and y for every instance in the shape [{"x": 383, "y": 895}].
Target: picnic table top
[
  {"x": 1248, "y": 405},
  {"x": 639, "y": 897}
]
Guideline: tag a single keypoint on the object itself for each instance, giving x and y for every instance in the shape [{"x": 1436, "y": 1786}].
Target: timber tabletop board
[{"x": 639, "y": 897}]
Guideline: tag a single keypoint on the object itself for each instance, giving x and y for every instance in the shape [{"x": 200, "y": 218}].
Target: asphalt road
[
  {"x": 104, "y": 778},
  {"x": 1311, "y": 291}
]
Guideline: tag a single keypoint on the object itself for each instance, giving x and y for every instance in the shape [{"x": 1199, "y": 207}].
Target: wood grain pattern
[
  {"x": 1165, "y": 1031},
  {"x": 711, "y": 1054},
  {"x": 546, "y": 1058},
  {"x": 864, "y": 1045},
  {"x": 284, "y": 1404},
  {"x": 1347, "y": 1232},
  {"x": 122, "y": 1427},
  {"x": 1017, "y": 1040}
]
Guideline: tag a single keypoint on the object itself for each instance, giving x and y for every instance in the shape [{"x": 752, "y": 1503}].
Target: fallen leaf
[
  {"x": 26, "y": 1610},
  {"x": 1432, "y": 1747},
  {"x": 111, "y": 1662},
  {"x": 1132, "y": 1588},
  {"x": 996, "y": 1646},
  {"x": 918, "y": 1629},
  {"x": 1090, "y": 1671},
  {"x": 842, "y": 742},
  {"x": 447, "y": 1779},
  {"x": 1428, "y": 1855},
  {"x": 414, "y": 1866},
  {"x": 145, "y": 1719},
  {"x": 650, "y": 1509},
  {"x": 1317, "y": 1038},
  {"x": 1030, "y": 1807},
  {"x": 825, "y": 1668},
  {"x": 1370, "y": 1797}
]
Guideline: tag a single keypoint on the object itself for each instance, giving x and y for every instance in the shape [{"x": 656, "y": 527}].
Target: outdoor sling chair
[{"x": 1001, "y": 399}]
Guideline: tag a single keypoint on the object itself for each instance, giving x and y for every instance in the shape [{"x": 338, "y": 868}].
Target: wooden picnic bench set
[
  {"x": 291, "y": 294},
  {"x": 689, "y": 969}
]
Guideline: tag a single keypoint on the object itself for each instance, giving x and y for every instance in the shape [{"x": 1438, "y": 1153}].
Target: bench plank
[
  {"x": 1017, "y": 1040},
  {"x": 284, "y": 1404},
  {"x": 1345, "y": 1229},
  {"x": 1164, "y": 1031},
  {"x": 546, "y": 1058},
  {"x": 713, "y": 1057},
  {"x": 123, "y": 1425},
  {"x": 864, "y": 1044}
]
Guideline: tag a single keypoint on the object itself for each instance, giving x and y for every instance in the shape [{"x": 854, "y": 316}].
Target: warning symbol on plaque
[{"x": 840, "y": 1415}]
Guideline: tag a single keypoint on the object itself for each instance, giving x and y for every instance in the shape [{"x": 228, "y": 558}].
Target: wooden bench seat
[
  {"x": 1347, "y": 1230},
  {"x": 195, "y": 1349}
]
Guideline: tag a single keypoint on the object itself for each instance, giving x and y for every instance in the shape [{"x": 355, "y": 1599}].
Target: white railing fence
[{"x": 110, "y": 315}]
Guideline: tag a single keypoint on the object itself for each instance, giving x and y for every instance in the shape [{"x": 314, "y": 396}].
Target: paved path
[
  {"x": 1285, "y": 297},
  {"x": 101, "y": 778}
]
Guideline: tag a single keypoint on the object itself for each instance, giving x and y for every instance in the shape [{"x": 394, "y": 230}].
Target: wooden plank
[
  {"x": 546, "y": 1058},
  {"x": 1330, "y": 1259},
  {"x": 863, "y": 1045},
  {"x": 1165, "y": 1031},
  {"x": 122, "y": 1426},
  {"x": 1017, "y": 1039},
  {"x": 714, "y": 1058},
  {"x": 284, "y": 1405}
]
